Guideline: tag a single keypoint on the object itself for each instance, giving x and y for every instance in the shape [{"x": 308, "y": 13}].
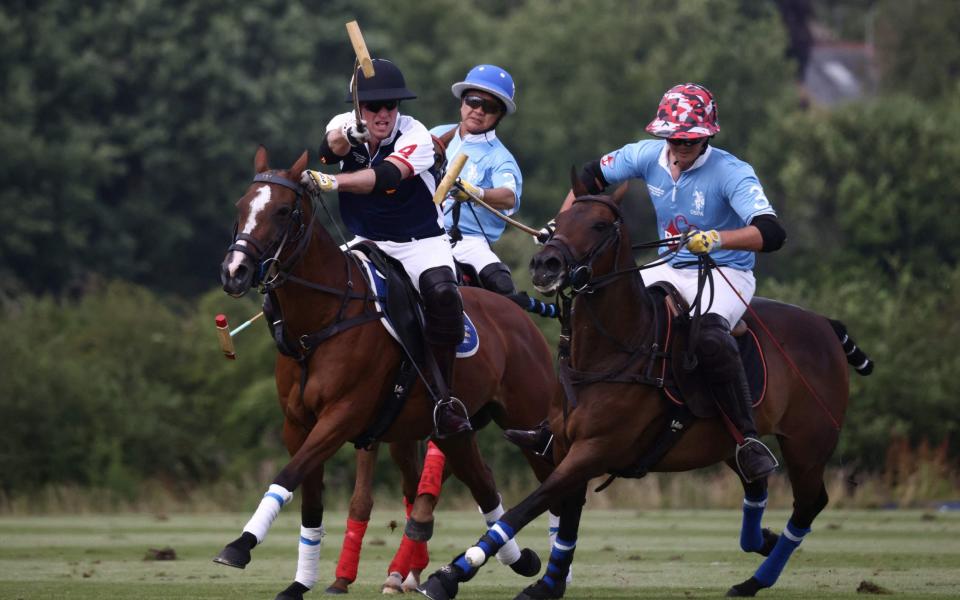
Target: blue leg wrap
[
  {"x": 751, "y": 538},
  {"x": 499, "y": 534},
  {"x": 560, "y": 558},
  {"x": 771, "y": 568}
]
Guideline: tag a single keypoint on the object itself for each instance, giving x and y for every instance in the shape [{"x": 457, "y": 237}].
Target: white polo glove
[
  {"x": 356, "y": 135},
  {"x": 468, "y": 190},
  {"x": 317, "y": 182},
  {"x": 703, "y": 242}
]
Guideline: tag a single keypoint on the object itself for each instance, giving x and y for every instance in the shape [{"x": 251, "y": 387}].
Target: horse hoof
[
  {"x": 393, "y": 584},
  {"x": 419, "y": 532},
  {"x": 294, "y": 591},
  {"x": 769, "y": 541},
  {"x": 340, "y": 585},
  {"x": 528, "y": 564},
  {"x": 747, "y": 589},
  {"x": 233, "y": 556},
  {"x": 411, "y": 583},
  {"x": 541, "y": 591},
  {"x": 442, "y": 585}
]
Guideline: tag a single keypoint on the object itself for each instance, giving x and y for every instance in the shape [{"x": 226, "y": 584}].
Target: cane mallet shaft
[
  {"x": 226, "y": 335},
  {"x": 497, "y": 213},
  {"x": 360, "y": 49},
  {"x": 449, "y": 178}
]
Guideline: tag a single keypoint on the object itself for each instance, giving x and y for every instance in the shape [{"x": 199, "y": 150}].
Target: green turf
[{"x": 621, "y": 554}]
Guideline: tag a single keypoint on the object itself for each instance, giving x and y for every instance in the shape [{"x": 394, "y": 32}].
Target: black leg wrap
[
  {"x": 237, "y": 553},
  {"x": 542, "y": 591},
  {"x": 443, "y": 584},
  {"x": 747, "y": 589},
  {"x": 294, "y": 591},
  {"x": 419, "y": 532},
  {"x": 528, "y": 564}
]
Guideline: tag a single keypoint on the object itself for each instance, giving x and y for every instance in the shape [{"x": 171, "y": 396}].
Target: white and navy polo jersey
[{"x": 402, "y": 214}]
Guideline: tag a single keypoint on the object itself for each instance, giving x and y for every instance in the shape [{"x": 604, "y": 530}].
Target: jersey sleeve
[
  {"x": 507, "y": 175},
  {"x": 414, "y": 148},
  {"x": 338, "y": 121},
  {"x": 746, "y": 195},
  {"x": 628, "y": 162}
]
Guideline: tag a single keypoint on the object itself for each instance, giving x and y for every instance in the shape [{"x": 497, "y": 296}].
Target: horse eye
[
  {"x": 601, "y": 226},
  {"x": 283, "y": 211}
]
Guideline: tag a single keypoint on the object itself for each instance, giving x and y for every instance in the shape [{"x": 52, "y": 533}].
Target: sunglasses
[
  {"x": 490, "y": 107},
  {"x": 684, "y": 142},
  {"x": 376, "y": 105}
]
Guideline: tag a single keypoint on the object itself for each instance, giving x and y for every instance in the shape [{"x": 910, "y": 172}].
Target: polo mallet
[
  {"x": 452, "y": 180},
  {"x": 226, "y": 335},
  {"x": 363, "y": 61}
]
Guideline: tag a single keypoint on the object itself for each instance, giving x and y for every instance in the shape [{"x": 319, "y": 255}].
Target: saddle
[{"x": 684, "y": 387}]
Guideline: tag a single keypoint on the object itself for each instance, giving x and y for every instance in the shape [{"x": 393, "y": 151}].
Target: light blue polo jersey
[
  {"x": 490, "y": 166},
  {"x": 719, "y": 191}
]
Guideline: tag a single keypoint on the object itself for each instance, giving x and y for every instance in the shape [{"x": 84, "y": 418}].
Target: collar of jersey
[
  {"x": 478, "y": 138},
  {"x": 701, "y": 160}
]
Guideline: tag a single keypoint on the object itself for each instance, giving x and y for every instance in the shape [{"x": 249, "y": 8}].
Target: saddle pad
[{"x": 471, "y": 340}]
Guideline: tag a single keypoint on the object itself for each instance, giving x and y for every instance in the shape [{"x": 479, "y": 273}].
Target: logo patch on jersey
[
  {"x": 472, "y": 175},
  {"x": 675, "y": 228},
  {"x": 360, "y": 158},
  {"x": 698, "y": 202},
  {"x": 608, "y": 159},
  {"x": 655, "y": 191}
]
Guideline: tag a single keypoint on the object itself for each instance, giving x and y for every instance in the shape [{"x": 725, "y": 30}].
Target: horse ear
[
  {"x": 619, "y": 193},
  {"x": 299, "y": 166},
  {"x": 576, "y": 185},
  {"x": 260, "y": 159}
]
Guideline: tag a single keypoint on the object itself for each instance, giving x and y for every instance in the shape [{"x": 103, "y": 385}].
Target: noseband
[
  {"x": 580, "y": 271},
  {"x": 296, "y": 231}
]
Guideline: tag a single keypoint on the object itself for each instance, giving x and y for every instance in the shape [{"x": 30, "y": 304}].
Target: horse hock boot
[
  {"x": 720, "y": 359},
  {"x": 443, "y": 310}
]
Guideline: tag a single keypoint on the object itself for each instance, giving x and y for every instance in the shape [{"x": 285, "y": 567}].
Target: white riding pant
[
  {"x": 722, "y": 299},
  {"x": 475, "y": 251},
  {"x": 417, "y": 256}
]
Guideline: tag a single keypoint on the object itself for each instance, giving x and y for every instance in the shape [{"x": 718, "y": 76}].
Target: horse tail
[{"x": 857, "y": 358}]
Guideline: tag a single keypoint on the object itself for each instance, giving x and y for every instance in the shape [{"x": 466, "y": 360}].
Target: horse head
[
  {"x": 271, "y": 214},
  {"x": 585, "y": 242}
]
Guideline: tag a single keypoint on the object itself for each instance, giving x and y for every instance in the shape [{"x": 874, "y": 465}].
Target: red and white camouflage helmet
[{"x": 686, "y": 111}]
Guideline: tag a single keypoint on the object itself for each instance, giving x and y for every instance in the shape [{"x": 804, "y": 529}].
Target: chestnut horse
[
  {"x": 610, "y": 424},
  {"x": 334, "y": 392}
]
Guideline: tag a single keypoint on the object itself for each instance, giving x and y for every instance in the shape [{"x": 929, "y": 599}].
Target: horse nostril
[{"x": 552, "y": 265}]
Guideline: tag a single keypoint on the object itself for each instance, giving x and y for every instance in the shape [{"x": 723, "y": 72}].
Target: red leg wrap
[
  {"x": 432, "y": 477},
  {"x": 419, "y": 556},
  {"x": 350, "y": 553},
  {"x": 401, "y": 560}
]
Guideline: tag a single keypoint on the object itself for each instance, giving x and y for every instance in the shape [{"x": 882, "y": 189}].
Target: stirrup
[
  {"x": 452, "y": 401},
  {"x": 752, "y": 444}
]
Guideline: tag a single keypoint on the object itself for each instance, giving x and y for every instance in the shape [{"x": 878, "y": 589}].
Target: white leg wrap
[
  {"x": 308, "y": 562},
  {"x": 510, "y": 552},
  {"x": 273, "y": 501},
  {"x": 554, "y": 525}
]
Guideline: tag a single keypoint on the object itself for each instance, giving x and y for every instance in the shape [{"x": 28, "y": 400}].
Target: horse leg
[
  {"x": 809, "y": 498},
  {"x": 471, "y": 469},
  {"x": 753, "y": 538},
  {"x": 320, "y": 444},
  {"x": 311, "y": 538},
  {"x": 358, "y": 517},
  {"x": 554, "y": 582},
  {"x": 583, "y": 461},
  {"x": 542, "y": 469},
  {"x": 403, "y": 573}
]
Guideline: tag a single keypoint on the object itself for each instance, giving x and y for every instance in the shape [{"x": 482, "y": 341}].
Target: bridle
[
  {"x": 579, "y": 274},
  {"x": 267, "y": 258}
]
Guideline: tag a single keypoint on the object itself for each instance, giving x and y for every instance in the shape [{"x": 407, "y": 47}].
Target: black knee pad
[
  {"x": 717, "y": 349},
  {"x": 496, "y": 278},
  {"x": 442, "y": 306}
]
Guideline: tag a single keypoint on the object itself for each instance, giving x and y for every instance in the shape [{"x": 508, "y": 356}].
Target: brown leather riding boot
[{"x": 449, "y": 414}]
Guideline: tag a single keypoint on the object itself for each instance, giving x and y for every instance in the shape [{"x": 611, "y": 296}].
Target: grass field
[{"x": 621, "y": 554}]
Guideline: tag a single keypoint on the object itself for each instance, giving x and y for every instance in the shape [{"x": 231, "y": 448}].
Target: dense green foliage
[{"x": 128, "y": 129}]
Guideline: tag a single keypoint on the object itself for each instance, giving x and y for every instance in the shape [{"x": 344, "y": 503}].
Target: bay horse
[
  {"x": 613, "y": 416},
  {"x": 334, "y": 391}
]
